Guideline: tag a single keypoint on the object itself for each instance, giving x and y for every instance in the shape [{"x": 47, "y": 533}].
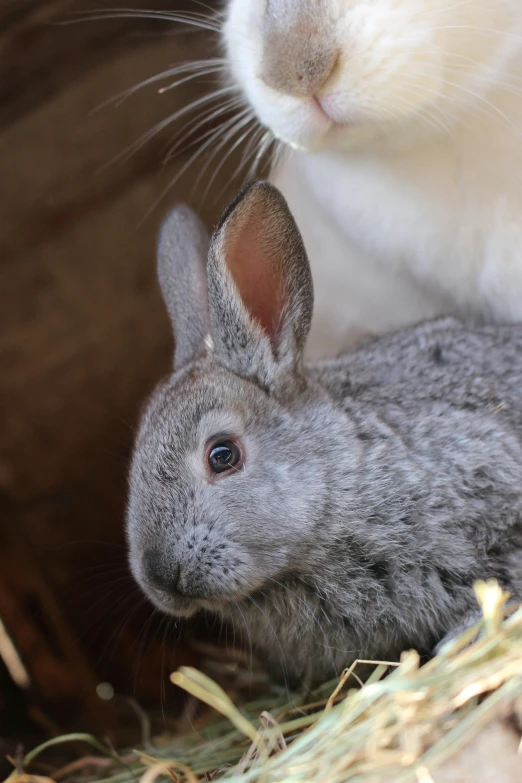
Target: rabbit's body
[
  {"x": 368, "y": 492},
  {"x": 404, "y": 177},
  {"x": 432, "y": 416}
]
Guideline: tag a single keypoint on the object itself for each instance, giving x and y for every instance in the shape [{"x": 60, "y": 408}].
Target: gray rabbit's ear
[
  {"x": 182, "y": 260},
  {"x": 260, "y": 286}
]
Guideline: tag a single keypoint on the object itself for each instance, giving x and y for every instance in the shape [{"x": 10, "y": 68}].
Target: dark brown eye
[{"x": 224, "y": 456}]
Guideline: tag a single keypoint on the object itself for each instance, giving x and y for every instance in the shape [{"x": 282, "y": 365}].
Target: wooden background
[{"x": 83, "y": 339}]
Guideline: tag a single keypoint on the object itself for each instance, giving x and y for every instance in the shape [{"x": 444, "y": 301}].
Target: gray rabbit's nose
[{"x": 160, "y": 574}]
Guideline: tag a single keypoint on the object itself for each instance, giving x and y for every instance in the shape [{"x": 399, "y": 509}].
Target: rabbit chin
[
  {"x": 185, "y": 606},
  {"x": 177, "y": 606}
]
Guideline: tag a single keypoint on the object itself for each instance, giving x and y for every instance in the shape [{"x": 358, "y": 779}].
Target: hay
[{"x": 401, "y": 728}]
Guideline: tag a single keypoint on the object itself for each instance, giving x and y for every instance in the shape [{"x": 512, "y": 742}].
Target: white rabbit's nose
[
  {"x": 299, "y": 51},
  {"x": 301, "y": 70}
]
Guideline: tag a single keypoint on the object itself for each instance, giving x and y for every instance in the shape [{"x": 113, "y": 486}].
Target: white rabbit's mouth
[{"x": 319, "y": 125}]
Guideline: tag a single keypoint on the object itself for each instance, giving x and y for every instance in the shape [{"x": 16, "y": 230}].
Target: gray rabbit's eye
[{"x": 224, "y": 456}]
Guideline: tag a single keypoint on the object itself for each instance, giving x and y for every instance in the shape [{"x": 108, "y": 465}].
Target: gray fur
[
  {"x": 182, "y": 250},
  {"x": 377, "y": 487},
  {"x": 230, "y": 320}
]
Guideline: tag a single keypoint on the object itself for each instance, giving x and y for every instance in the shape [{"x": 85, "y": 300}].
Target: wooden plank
[
  {"x": 58, "y": 672},
  {"x": 84, "y": 337},
  {"x": 13, "y": 11},
  {"x": 46, "y": 52},
  {"x": 77, "y": 272},
  {"x": 60, "y": 164}
]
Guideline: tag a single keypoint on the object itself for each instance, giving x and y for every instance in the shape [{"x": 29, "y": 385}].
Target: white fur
[{"x": 413, "y": 206}]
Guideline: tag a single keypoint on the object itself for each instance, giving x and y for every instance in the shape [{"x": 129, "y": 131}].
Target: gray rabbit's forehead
[
  {"x": 220, "y": 421},
  {"x": 187, "y": 415}
]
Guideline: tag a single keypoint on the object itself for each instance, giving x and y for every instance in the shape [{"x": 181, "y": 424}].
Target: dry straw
[{"x": 399, "y": 728}]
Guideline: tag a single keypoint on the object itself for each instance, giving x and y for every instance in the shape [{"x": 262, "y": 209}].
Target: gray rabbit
[{"x": 331, "y": 512}]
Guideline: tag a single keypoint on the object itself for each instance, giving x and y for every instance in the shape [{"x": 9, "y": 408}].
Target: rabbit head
[
  {"x": 222, "y": 486},
  {"x": 336, "y": 73}
]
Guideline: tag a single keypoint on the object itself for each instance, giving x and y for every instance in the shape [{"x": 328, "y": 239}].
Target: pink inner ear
[{"x": 252, "y": 257}]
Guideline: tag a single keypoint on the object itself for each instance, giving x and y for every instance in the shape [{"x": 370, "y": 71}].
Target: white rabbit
[{"x": 405, "y": 174}]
